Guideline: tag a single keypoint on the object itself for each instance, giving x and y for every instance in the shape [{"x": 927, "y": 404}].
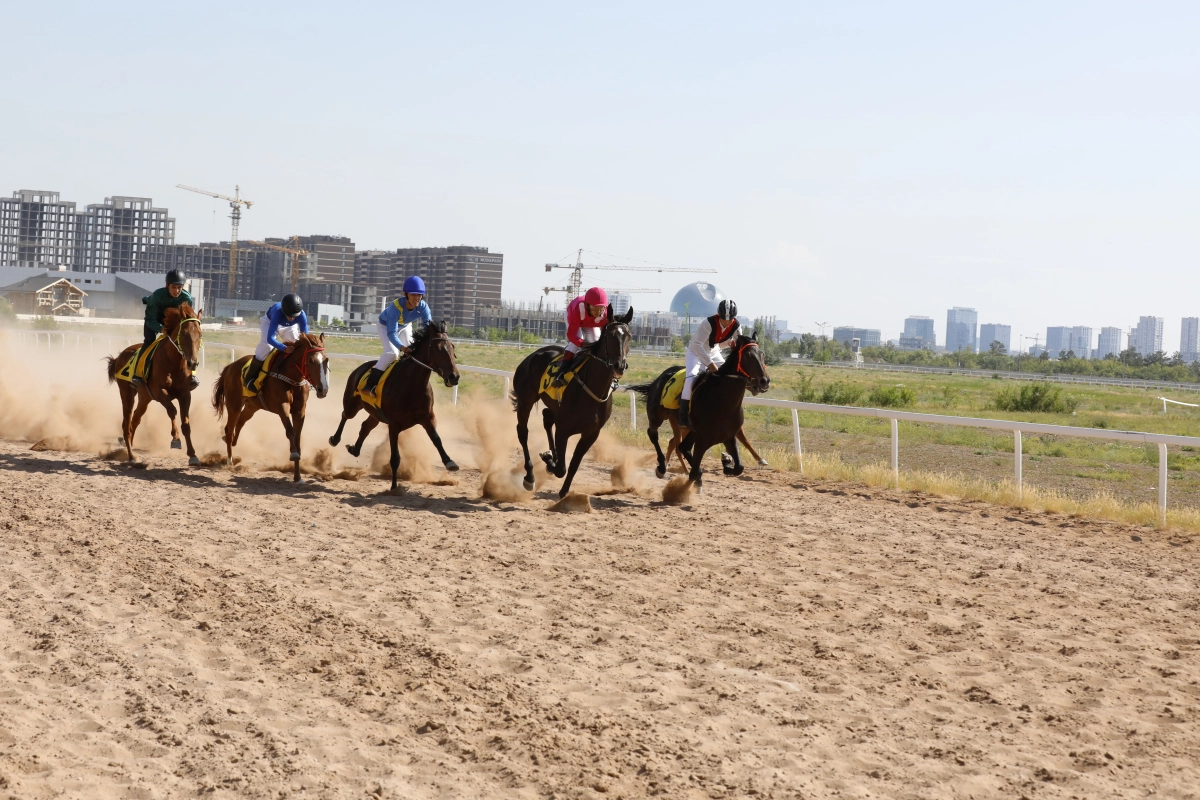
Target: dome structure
[{"x": 697, "y": 300}]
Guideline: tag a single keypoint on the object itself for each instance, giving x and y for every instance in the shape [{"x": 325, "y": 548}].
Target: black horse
[
  {"x": 716, "y": 407},
  {"x": 586, "y": 402},
  {"x": 407, "y": 396}
]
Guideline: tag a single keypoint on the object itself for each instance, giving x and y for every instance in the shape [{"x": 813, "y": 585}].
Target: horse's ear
[
  {"x": 200, "y": 314},
  {"x": 628, "y": 317},
  {"x": 321, "y": 338},
  {"x": 754, "y": 336},
  {"x": 609, "y": 313}
]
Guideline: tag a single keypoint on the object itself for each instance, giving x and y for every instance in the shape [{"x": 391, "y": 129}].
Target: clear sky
[{"x": 845, "y": 162}]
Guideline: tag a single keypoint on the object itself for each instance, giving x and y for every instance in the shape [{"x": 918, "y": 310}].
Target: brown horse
[
  {"x": 284, "y": 392},
  {"x": 407, "y": 396},
  {"x": 586, "y": 402},
  {"x": 169, "y": 381},
  {"x": 657, "y": 414},
  {"x": 716, "y": 407}
]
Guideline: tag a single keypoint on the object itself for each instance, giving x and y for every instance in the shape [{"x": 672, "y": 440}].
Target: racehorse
[
  {"x": 586, "y": 401},
  {"x": 657, "y": 414},
  {"x": 716, "y": 407},
  {"x": 407, "y": 396},
  {"x": 284, "y": 392},
  {"x": 169, "y": 381}
]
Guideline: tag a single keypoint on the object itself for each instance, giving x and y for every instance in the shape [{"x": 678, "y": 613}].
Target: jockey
[
  {"x": 172, "y": 295},
  {"x": 393, "y": 330},
  {"x": 714, "y": 334},
  {"x": 586, "y": 317},
  {"x": 282, "y": 322}
]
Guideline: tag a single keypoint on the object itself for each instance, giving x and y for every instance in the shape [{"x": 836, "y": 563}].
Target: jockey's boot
[
  {"x": 251, "y": 374},
  {"x": 684, "y": 420},
  {"x": 136, "y": 380},
  {"x": 560, "y": 377},
  {"x": 372, "y": 380}
]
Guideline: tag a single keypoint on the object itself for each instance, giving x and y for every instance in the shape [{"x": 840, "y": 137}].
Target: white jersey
[{"x": 703, "y": 354}]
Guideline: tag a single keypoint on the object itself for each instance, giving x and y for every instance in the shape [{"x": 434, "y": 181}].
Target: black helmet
[
  {"x": 176, "y": 278},
  {"x": 291, "y": 305},
  {"x": 727, "y": 309}
]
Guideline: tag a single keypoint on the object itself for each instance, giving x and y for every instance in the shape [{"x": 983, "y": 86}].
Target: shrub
[
  {"x": 806, "y": 393},
  {"x": 840, "y": 394},
  {"x": 6, "y": 310},
  {"x": 45, "y": 324},
  {"x": 1037, "y": 397},
  {"x": 891, "y": 397}
]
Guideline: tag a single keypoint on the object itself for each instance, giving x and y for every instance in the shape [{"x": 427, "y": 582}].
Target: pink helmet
[{"x": 596, "y": 296}]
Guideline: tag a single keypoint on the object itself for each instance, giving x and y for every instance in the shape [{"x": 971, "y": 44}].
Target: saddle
[
  {"x": 137, "y": 366},
  {"x": 546, "y": 386},
  {"x": 262, "y": 374},
  {"x": 374, "y": 400},
  {"x": 672, "y": 389}
]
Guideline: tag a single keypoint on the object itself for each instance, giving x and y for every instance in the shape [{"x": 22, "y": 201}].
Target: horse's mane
[
  {"x": 425, "y": 333},
  {"x": 172, "y": 317}
]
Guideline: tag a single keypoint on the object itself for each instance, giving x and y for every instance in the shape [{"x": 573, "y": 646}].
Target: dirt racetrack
[{"x": 772, "y": 638}]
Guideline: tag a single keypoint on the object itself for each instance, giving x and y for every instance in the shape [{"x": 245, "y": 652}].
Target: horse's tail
[
  {"x": 218, "y": 398},
  {"x": 112, "y": 368}
]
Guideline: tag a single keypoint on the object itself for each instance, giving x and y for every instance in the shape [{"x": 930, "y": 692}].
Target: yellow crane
[
  {"x": 575, "y": 282},
  {"x": 236, "y": 202},
  {"x": 296, "y": 252}
]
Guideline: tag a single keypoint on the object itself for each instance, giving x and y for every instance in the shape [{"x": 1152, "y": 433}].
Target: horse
[
  {"x": 586, "y": 401},
  {"x": 170, "y": 379},
  {"x": 716, "y": 407},
  {"x": 407, "y": 396},
  {"x": 657, "y": 414},
  {"x": 284, "y": 392}
]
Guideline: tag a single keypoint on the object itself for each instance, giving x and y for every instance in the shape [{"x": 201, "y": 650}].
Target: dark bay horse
[
  {"x": 407, "y": 396},
  {"x": 586, "y": 402},
  {"x": 657, "y": 414},
  {"x": 716, "y": 407},
  {"x": 170, "y": 379},
  {"x": 284, "y": 392}
]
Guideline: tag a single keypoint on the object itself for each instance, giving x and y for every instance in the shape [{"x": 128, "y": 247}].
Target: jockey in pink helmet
[{"x": 586, "y": 317}]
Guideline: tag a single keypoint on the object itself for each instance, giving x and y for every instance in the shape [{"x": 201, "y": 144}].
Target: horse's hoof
[
  {"x": 193, "y": 462},
  {"x": 299, "y": 480},
  {"x": 120, "y": 440},
  {"x": 352, "y": 450},
  {"x": 295, "y": 456},
  {"x": 176, "y": 444},
  {"x": 660, "y": 472},
  {"x": 548, "y": 458},
  {"x": 528, "y": 484},
  {"x": 699, "y": 488},
  {"x": 726, "y": 459},
  {"x": 451, "y": 466},
  {"x": 762, "y": 462},
  {"x": 333, "y": 441}
]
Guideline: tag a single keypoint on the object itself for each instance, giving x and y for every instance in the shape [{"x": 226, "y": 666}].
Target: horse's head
[
  {"x": 749, "y": 363},
  {"x": 182, "y": 326},
  {"x": 314, "y": 366},
  {"x": 612, "y": 348},
  {"x": 437, "y": 351}
]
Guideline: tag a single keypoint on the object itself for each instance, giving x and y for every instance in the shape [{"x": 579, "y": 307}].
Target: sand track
[{"x": 774, "y": 639}]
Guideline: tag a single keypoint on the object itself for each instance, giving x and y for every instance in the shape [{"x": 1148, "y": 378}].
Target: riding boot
[
  {"x": 252, "y": 374},
  {"x": 684, "y": 420},
  {"x": 372, "y": 381},
  {"x": 136, "y": 380},
  {"x": 560, "y": 376}
]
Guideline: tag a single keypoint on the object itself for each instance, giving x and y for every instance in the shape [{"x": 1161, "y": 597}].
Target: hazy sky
[{"x": 844, "y": 162}]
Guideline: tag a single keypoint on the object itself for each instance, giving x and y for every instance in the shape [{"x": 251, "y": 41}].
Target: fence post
[
  {"x": 505, "y": 386},
  {"x": 232, "y": 354},
  {"x": 633, "y": 410},
  {"x": 201, "y": 356},
  {"x": 1017, "y": 463},
  {"x": 896, "y": 451},
  {"x": 1162, "y": 484},
  {"x": 796, "y": 438},
  {"x": 455, "y": 402}
]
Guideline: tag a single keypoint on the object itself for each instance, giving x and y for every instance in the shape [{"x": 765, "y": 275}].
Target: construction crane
[
  {"x": 236, "y": 202},
  {"x": 296, "y": 252},
  {"x": 575, "y": 282}
]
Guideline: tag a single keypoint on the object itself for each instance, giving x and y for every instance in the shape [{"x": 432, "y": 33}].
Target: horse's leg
[
  {"x": 737, "y": 468},
  {"x": 692, "y": 449},
  {"x": 368, "y": 425},
  {"x": 430, "y": 426},
  {"x": 128, "y": 395},
  {"x": 248, "y": 411},
  {"x": 285, "y": 416},
  {"x": 394, "y": 441},
  {"x": 561, "y": 441},
  {"x": 350, "y": 409},
  {"x": 741, "y": 437},
  {"x": 143, "y": 402},
  {"x": 673, "y": 445},
  {"x": 297, "y": 433},
  {"x": 185, "y": 420},
  {"x": 586, "y": 440},
  {"x": 523, "y": 411},
  {"x": 660, "y": 471},
  {"x": 169, "y": 405},
  {"x": 552, "y": 462}
]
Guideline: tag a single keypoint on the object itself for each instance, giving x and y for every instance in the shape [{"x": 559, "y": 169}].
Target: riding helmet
[
  {"x": 727, "y": 309},
  {"x": 291, "y": 305},
  {"x": 414, "y": 285},
  {"x": 176, "y": 278},
  {"x": 596, "y": 296}
]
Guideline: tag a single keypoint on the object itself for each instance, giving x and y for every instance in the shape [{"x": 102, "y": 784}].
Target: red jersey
[{"x": 577, "y": 318}]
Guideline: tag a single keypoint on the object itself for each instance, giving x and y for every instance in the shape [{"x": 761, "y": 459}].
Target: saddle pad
[
  {"x": 137, "y": 366},
  {"x": 556, "y": 392},
  {"x": 673, "y": 389},
  {"x": 262, "y": 374},
  {"x": 373, "y": 399}
]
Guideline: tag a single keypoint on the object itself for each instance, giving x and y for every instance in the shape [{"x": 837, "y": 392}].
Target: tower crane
[
  {"x": 236, "y": 202},
  {"x": 296, "y": 252},
  {"x": 575, "y": 281}
]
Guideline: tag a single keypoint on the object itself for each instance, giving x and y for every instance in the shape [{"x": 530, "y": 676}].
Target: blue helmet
[{"x": 414, "y": 285}]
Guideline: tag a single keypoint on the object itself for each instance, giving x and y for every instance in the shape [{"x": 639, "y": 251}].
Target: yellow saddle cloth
[
  {"x": 262, "y": 374},
  {"x": 556, "y": 392},
  {"x": 137, "y": 366},
  {"x": 374, "y": 399},
  {"x": 673, "y": 389}
]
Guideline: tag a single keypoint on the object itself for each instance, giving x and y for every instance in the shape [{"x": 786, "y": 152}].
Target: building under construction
[
  {"x": 654, "y": 331},
  {"x": 458, "y": 280}
]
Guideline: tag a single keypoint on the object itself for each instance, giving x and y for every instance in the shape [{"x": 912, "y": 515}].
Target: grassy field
[{"x": 1071, "y": 469}]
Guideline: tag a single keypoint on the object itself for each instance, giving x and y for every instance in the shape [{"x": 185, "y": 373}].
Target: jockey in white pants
[
  {"x": 395, "y": 327},
  {"x": 711, "y": 339},
  {"x": 281, "y": 327}
]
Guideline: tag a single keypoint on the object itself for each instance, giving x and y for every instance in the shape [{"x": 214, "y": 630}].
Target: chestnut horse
[
  {"x": 586, "y": 401},
  {"x": 169, "y": 381},
  {"x": 407, "y": 396},
  {"x": 284, "y": 392}
]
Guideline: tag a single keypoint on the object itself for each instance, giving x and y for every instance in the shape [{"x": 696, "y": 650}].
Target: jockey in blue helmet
[{"x": 393, "y": 327}]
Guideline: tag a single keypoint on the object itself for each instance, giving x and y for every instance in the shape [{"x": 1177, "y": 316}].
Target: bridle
[
  {"x": 614, "y": 368},
  {"x": 176, "y": 339},
  {"x": 305, "y": 379},
  {"x": 740, "y": 351},
  {"x": 440, "y": 337}
]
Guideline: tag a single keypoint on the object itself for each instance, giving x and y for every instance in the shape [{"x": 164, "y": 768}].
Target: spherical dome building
[{"x": 697, "y": 300}]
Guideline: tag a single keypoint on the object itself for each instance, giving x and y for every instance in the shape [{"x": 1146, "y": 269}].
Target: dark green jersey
[{"x": 158, "y": 303}]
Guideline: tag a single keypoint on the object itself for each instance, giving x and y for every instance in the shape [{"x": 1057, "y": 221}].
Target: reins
[
  {"x": 412, "y": 357},
  {"x": 612, "y": 386},
  {"x": 305, "y": 380}
]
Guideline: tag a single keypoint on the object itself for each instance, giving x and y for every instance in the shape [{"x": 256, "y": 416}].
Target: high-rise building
[
  {"x": 1058, "y": 339},
  {"x": 37, "y": 229},
  {"x": 375, "y": 268},
  {"x": 961, "y": 327},
  {"x": 459, "y": 280},
  {"x": 123, "y": 234},
  {"x": 867, "y": 337},
  {"x": 1109, "y": 343},
  {"x": 334, "y": 257},
  {"x": 1147, "y": 336},
  {"x": 992, "y": 332},
  {"x": 1189, "y": 340},
  {"x": 918, "y": 334},
  {"x": 620, "y": 302},
  {"x": 1075, "y": 339}
]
